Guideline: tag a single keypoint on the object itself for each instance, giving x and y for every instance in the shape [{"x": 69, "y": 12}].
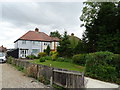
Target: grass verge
[{"x": 63, "y": 65}]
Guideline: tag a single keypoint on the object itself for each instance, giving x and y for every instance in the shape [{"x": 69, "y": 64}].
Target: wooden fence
[{"x": 61, "y": 77}]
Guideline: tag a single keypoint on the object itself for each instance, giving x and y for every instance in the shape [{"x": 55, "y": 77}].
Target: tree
[
  {"x": 101, "y": 21},
  {"x": 64, "y": 48},
  {"x": 80, "y": 48},
  {"x": 47, "y": 50},
  {"x": 55, "y": 34}
]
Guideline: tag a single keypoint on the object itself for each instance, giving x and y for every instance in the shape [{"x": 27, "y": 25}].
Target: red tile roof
[
  {"x": 2, "y": 49},
  {"x": 37, "y": 36}
]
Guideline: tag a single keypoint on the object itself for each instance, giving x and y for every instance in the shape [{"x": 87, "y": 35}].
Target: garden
[
  {"x": 99, "y": 65},
  {"x": 72, "y": 55}
]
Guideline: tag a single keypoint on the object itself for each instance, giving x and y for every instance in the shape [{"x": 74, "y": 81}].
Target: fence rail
[{"x": 61, "y": 77}]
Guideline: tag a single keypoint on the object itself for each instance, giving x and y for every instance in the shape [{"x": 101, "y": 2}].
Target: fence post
[{"x": 51, "y": 80}]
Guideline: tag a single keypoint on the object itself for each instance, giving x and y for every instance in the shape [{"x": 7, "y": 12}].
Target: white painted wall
[{"x": 30, "y": 45}]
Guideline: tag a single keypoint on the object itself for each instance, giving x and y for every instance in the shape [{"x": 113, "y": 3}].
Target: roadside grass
[
  {"x": 63, "y": 65},
  {"x": 19, "y": 68}
]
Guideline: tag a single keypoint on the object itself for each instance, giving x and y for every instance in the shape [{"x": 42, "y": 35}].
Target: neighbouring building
[
  {"x": 73, "y": 40},
  {"x": 34, "y": 42},
  {"x": 2, "y": 51}
]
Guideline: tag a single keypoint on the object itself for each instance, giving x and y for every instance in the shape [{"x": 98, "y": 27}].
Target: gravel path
[{"x": 12, "y": 78}]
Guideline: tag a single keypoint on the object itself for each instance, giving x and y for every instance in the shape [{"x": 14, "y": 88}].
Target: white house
[{"x": 34, "y": 42}]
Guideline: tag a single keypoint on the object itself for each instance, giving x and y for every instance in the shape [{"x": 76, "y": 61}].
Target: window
[
  {"x": 23, "y": 42},
  {"x": 46, "y": 43},
  {"x": 35, "y": 51},
  {"x": 57, "y": 43},
  {"x": 36, "y": 42}
]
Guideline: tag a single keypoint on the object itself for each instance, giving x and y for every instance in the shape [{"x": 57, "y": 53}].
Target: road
[{"x": 12, "y": 78}]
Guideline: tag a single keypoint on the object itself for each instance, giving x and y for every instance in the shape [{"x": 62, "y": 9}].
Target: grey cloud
[{"x": 56, "y": 14}]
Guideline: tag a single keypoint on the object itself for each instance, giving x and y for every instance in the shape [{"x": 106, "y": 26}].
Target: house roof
[
  {"x": 72, "y": 35},
  {"x": 2, "y": 49},
  {"x": 37, "y": 36}
]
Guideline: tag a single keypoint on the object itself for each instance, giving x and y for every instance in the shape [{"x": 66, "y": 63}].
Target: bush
[
  {"x": 47, "y": 50},
  {"x": 31, "y": 57},
  {"x": 116, "y": 63},
  {"x": 9, "y": 59},
  {"x": 98, "y": 66},
  {"x": 60, "y": 59},
  {"x": 48, "y": 58},
  {"x": 42, "y": 59},
  {"x": 52, "y": 52},
  {"x": 79, "y": 59},
  {"x": 54, "y": 56},
  {"x": 41, "y": 54}
]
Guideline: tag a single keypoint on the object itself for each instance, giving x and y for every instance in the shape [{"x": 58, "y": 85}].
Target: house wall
[
  {"x": 54, "y": 47},
  {"x": 30, "y": 45}
]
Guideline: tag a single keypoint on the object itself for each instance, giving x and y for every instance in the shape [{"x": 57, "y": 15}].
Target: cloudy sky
[{"x": 16, "y": 18}]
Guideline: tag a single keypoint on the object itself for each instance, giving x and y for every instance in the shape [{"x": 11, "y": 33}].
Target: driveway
[
  {"x": 93, "y": 83},
  {"x": 12, "y": 78}
]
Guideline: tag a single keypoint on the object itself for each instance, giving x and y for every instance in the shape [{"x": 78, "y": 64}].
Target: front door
[{"x": 23, "y": 53}]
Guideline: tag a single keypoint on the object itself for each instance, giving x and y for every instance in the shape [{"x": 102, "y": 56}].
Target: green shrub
[
  {"x": 48, "y": 58},
  {"x": 41, "y": 54},
  {"x": 9, "y": 59},
  {"x": 54, "y": 56},
  {"x": 79, "y": 59},
  {"x": 60, "y": 59},
  {"x": 116, "y": 63},
  {"x": 52, "y": 52},
  {"x": 47, "y": 50},
  {"x": 31, "y": 57},
  {"x": 98, "y": 66},
  {"x": 42, "y": 59}
]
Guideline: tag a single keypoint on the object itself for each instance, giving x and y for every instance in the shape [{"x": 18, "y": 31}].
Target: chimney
[{"x": 36, "y": 30}]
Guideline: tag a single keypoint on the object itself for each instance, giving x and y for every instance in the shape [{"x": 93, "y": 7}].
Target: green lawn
[{"x": 63, "y": 65}]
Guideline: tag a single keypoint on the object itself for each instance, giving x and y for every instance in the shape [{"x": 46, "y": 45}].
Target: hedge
[
  {"x": 79, "y": 59},
  {"x": 103, "y": 66}
]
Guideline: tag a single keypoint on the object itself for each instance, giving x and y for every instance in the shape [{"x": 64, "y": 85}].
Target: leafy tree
[
  {"x": 80, "y": 48},
  {"x": 101, "y": 21},
  {"x": 47, "y": 50},
  {"x": 55, "y": 34},
  {"x": 64, "y": 48}
]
